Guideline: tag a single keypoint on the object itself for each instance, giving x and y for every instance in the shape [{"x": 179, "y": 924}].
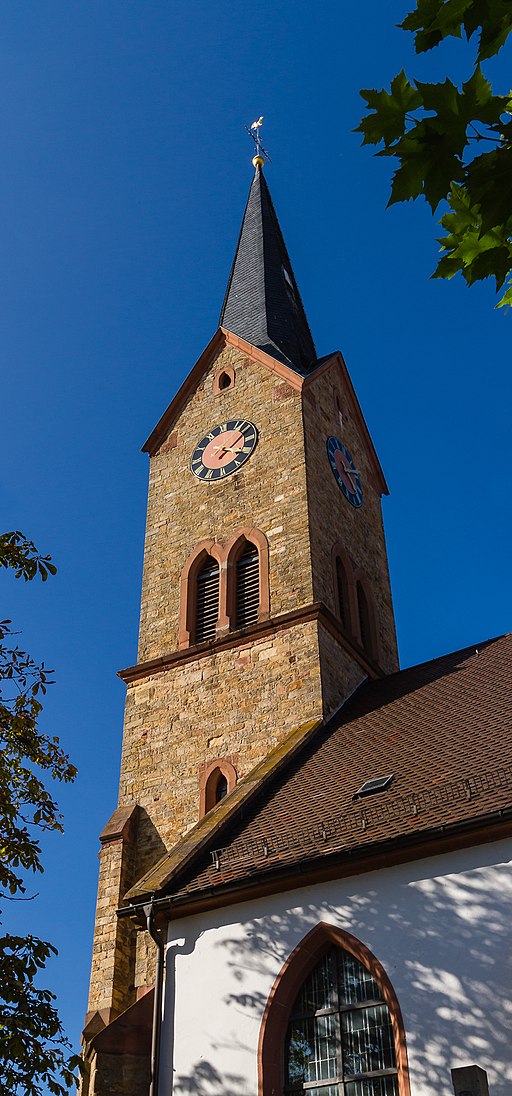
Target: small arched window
[
  {"x": 247, "y": 587},
  {"x": 340, "y": 1039},
  {"x": 207, "y": 601},
  {"x": 216, "y": 789},
  {"x": 225, "y": 381},
  {"x": 365, "y": 623}
]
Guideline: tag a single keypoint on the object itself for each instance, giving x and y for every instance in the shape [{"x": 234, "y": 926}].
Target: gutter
[
  {"x": 149, "y": 913},
  {"x": 286, "y": 876}
]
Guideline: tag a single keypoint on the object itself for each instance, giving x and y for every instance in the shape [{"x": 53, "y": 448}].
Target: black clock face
[
  {"x": 345, "y": 471},
  {"x": 223, "y": 449}
]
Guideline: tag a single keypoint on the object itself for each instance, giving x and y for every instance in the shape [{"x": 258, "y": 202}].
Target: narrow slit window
[
  {"x": 207, "y": 606},
  {"x": 247, "y": 587},
  {"x": 364, "y": 620},
  {"x": 341, "y": 582}
]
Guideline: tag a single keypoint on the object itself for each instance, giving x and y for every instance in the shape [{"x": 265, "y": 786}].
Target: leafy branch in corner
[
  {"x": 33, "y": 1048},
  {"x": 454, "y": 145}
]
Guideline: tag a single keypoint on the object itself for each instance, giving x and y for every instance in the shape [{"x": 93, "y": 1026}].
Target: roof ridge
[{"x": 474, "y": 647}]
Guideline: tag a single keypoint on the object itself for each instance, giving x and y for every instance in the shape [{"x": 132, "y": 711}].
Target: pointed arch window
[
  {"x": 207, "y": 601},
  {"x": 247, "y": 586},
  {"x": 340, "y": 1039}
]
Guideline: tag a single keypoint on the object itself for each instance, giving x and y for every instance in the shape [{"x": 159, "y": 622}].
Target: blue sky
[{"x": 124, "y": 175}]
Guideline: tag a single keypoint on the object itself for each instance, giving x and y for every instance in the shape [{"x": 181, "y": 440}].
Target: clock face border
[
  {"x": 203, "y": 462},
  {"x": 334, "y": 445}
]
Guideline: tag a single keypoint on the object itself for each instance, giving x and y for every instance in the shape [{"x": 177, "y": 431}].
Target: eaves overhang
[{"x": 308, "y": 871}]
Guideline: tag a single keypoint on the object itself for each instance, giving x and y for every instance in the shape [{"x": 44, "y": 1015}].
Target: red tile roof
[{"x": 443, "y": 729}]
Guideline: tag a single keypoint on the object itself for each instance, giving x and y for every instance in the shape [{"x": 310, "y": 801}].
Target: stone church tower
[{"x": 266, "y": 597}]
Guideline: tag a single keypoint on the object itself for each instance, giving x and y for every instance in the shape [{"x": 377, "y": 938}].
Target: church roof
[
  {"x": 440, "y": 729},
  {"x": 262, "y": 302}
]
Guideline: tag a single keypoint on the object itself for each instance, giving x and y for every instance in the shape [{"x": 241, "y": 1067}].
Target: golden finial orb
[{"x": 261, "y": 153}]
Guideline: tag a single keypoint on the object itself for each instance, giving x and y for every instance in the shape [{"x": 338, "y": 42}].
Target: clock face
[
  {"x": 345, "y": 471},
  {"x": 223, "y": 449}
]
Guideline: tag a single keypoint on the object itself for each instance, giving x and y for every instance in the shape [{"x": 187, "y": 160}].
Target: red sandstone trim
[
  {"x": 248, "y": 636},
  {"x": 188, "y": 588},
  {"x": 226, "y": 554},
  {"x": 293, "y": 379},
  {"x": 271, "y": 1064},
  {"x": 233, "y": 548},
  {"x": 337, "y": 362},
  {"x": 221, "y": 338},
  {"x": 206, "y": 784}
]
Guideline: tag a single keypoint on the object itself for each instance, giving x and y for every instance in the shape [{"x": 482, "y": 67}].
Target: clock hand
[
  {"x": 228, "y": 449},
  {"x": 350, "y": 471}
]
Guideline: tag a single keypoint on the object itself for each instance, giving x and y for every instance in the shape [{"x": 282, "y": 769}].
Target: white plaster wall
[{"x": 441, "y": 927}]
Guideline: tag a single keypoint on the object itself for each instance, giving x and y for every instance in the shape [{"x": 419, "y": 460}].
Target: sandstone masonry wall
[
  {"x": 268, "y": 492},
  {"x": 333, "y": 519}
]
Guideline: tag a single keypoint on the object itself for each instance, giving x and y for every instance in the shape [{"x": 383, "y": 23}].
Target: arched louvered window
[
  {"x": 340, "y": 1039},
  {"x": 207, "y": 601},
  {"x": 247, "y": 587},
  {"x": 365, "y": 625},
  {"x": 342, "y": 592}
]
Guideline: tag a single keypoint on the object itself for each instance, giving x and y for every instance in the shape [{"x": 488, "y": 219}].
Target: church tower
[{"x": 266, "y": 597}]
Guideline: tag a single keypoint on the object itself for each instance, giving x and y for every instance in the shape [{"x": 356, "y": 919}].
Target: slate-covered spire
[{"x": 262, "y": 302}]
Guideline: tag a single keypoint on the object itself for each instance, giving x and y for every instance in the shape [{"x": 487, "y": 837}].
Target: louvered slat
[
  {"x": 247, "y": 588},
  {"x": 207, "y": 602}
]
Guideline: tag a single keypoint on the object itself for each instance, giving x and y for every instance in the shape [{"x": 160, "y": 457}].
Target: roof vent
[{"x": 370, "y": 787}]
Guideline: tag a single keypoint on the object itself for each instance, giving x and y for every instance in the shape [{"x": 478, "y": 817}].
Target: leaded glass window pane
[
  {"x": 340, "y": 1033},
  {"x": 355, "y": 981},
  {"x": 376, "y": 1086},
  {"x": 319, "y": 990},
  {"x": 312, "y": 1050},
  {"x": 367, "y": 1041}
]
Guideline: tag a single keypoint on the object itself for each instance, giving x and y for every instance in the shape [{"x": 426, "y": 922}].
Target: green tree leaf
[
  {"x": 33, "y": 1048},
  {"x": 388, "y": 122},
  {"x": 434, "y": 129}
]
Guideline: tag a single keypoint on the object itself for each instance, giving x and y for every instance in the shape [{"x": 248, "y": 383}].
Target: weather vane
[{"x": 254, "y": 132}]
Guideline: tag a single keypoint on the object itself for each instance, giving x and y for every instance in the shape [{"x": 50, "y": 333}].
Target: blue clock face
[{"x": 345, "y": 471}]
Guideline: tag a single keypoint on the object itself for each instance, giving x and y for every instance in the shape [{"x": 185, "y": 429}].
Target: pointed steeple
[{"x": 262, "y": 302}]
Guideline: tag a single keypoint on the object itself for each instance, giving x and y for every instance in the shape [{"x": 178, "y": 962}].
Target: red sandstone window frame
[
  {"x": 188, "y": 589},
  {"x": 234, "y": 548},
  {"x": 218, "y": 387},
  {"x": 274, "y": 1025},
  {"x": 226, "y": 554},
  {"x": 208, "y": 782}
]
